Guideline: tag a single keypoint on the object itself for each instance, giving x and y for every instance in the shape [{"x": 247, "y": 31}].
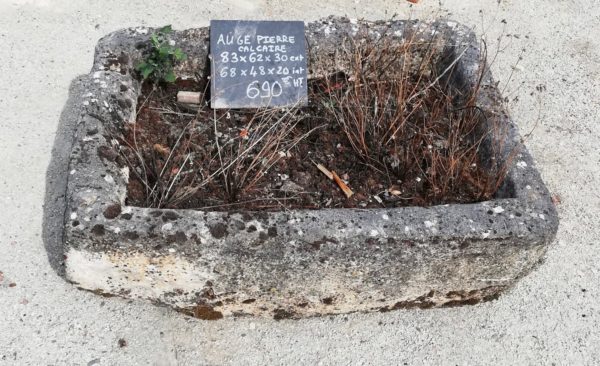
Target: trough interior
[{"x": 497, "y": 145}]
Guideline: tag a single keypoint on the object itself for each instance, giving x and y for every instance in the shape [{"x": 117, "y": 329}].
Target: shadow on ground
[{"x": 57, "y": 176}]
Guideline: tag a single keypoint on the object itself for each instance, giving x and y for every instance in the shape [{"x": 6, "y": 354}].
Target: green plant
[{"x": 159, "y": 62}]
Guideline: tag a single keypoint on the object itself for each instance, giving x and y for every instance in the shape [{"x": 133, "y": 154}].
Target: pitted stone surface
[{"x": 295, "y": 263}]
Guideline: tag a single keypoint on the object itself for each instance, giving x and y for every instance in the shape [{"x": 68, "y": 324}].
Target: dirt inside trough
[{"x": 267, "y": 159}]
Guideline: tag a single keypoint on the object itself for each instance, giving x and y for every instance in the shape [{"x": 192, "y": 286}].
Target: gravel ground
[{"x": 551, "y": 317}]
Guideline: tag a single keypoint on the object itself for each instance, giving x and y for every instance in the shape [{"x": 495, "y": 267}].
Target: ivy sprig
[{"x": 158, "y": 64}]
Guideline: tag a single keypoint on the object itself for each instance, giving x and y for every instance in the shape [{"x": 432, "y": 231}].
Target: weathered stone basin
[{"x": 293, "y": 263}]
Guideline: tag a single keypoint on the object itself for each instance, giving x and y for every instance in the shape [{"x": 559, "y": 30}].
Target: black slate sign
[{"x": 257, "y": 64}]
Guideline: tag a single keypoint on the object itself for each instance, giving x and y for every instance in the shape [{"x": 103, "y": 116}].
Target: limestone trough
[{"x": 297, "y": 263}]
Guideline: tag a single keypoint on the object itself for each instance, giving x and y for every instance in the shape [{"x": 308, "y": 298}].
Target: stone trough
[{"x": 292, "y": 264}]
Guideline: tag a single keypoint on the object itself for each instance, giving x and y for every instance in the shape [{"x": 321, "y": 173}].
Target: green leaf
[
  {"x": 164, "y": 51},
  {"x": 170, "y": 77},
  {"x": 141, "y": 65},
  {"x": 179, "y": 54},
  {"x": 166, "y": 29},
  {"x": 155, "y": 41},
  {"x": 158, "y": 64},
  {"x": 147, "y": 71}
]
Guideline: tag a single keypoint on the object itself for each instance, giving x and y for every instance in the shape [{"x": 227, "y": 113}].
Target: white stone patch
[
  {"x": 125, "y": 172},
  {"x": 203, "y": 232},
  {"x": 88, "y": 199},
  {"x": 385, "y": 217},
  {"x": 73, "y": 215},
  {"x": 522, "y": 164},
  {"x": 406, "y": 229},
  {"x": 485, "y": 234},
  {"x": 167, "y": 227},
  {"x": 498, "y": 210},
  {"x": 542, "y": 216},
  {"x": 144, "y": 276},
  {"x": 429, "y": 224},
  {"x": 72, "y": 172},
  {"x": 257, "y": 225},
  {"x": 109, "y": 179},
  {"x": 451, "y": 24},
  {"x": 373, "y": 233}
]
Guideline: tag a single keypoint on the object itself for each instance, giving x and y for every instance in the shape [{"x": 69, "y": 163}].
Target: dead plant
[
  {"x": 267, "y": 137},
  {"x": 403, "y": 121}
]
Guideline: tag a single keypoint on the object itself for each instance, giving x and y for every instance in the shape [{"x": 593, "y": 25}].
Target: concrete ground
[{"x": 551, "y": 317}]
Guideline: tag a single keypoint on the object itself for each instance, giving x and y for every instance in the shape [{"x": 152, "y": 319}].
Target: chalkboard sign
[{"x": 257, "y": 64}]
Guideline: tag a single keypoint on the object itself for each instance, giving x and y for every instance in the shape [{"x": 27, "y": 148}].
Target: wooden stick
[
  {"x": 188, "y": 97},
  {"x": 324, "y": 170},
  {"x": 334, "y": 177},
  {"x": 347, "y": 191}
]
